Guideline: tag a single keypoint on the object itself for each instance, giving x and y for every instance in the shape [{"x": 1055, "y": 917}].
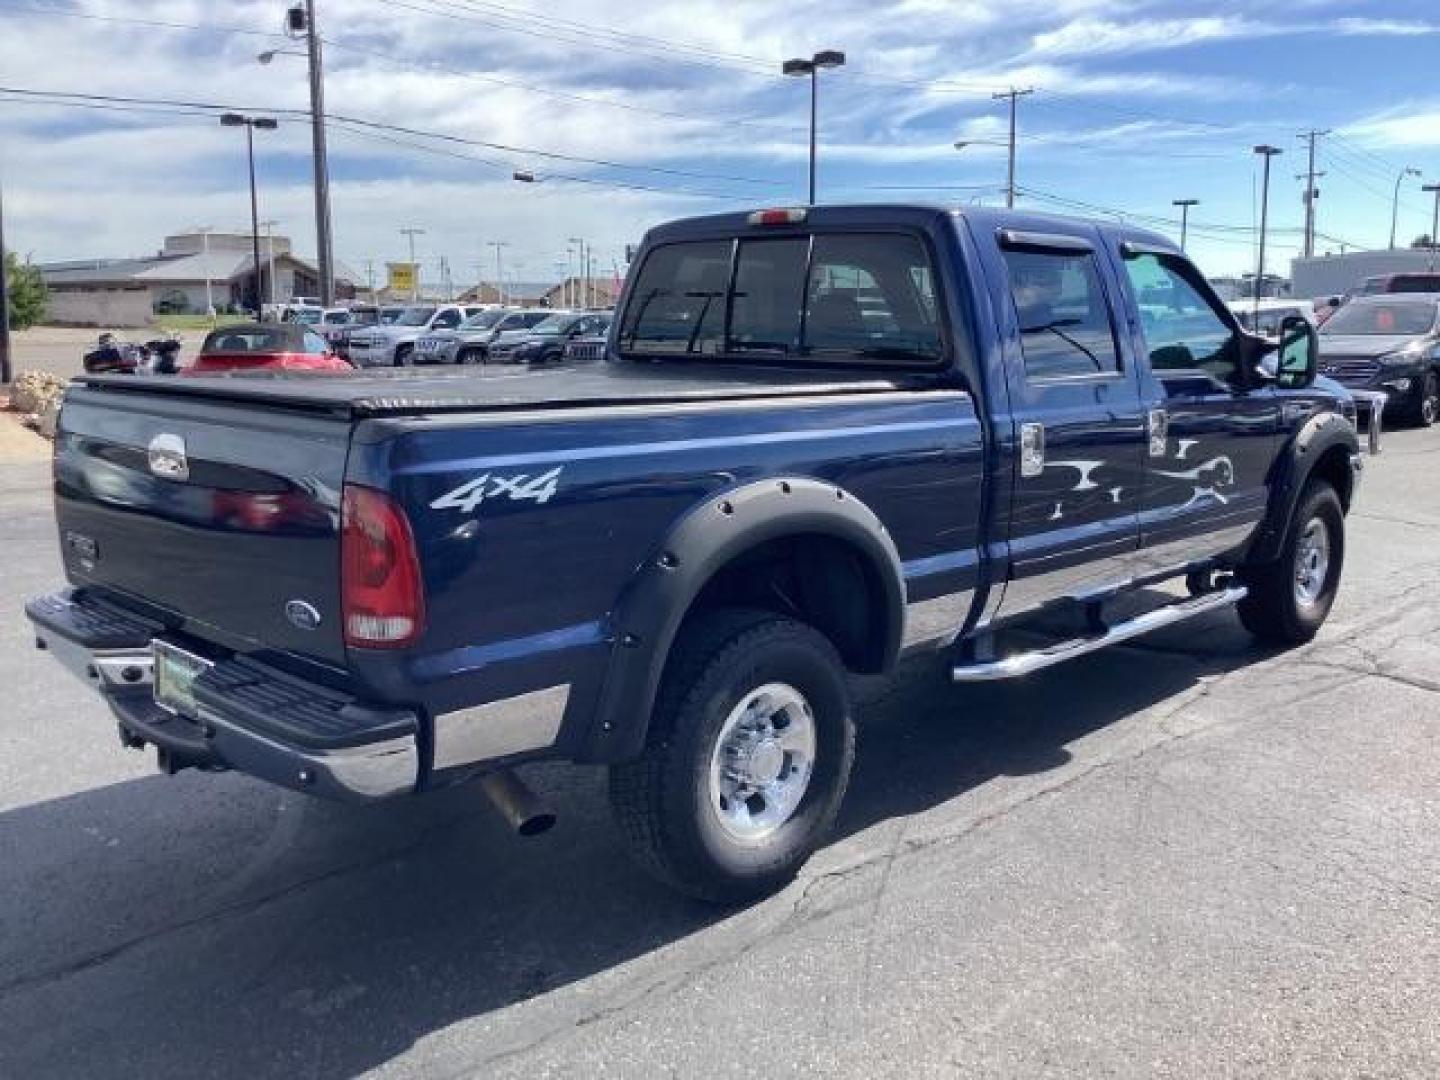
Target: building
[
  {"x": 577, "y": 293},
  {"x": 192, "y": 272},
  {"x": 1335, "y": 275}
]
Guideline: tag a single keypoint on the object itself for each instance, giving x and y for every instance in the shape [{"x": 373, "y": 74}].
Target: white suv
[{"x": 394, "y": 343}]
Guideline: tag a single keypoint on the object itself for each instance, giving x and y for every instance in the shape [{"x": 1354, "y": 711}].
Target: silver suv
[
  {"x": 470, "y": 342},
  {"x": 394, "y": 343}
]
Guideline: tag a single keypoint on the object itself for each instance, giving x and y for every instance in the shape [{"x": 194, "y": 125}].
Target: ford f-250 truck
[{"x": 821, "y": 438}]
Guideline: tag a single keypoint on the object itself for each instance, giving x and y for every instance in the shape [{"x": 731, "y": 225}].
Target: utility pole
[
  {"x": 205, "y": 231},
  {"x": 579, "y": 301},
  {"x": 414, "y": 266},
  {"x": 1184, "y": 205},
  {"x": 1310, "y": 193},
  {"x": 499, "y": 246},
  {"x": 269, "y": 227},
  {"x": 1433, "y": 189},
  {"x": 7, "y": 371},
  {"x": 1014, "y": 95},
  {"x": 301, "y": 19},
  {"x": 1267, "y": 152}
]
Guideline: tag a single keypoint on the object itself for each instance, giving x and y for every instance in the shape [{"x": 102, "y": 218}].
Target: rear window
[
  {"x": 256, "y": 339},
  {"x": 866, "y": 298}
]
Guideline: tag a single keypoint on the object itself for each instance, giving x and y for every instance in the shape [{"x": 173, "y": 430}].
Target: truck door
[
  {"x": 1211, "y": 441},
  {"x": 1079, "y": 423}
]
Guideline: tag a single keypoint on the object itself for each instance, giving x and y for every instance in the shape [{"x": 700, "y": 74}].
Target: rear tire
[
  {"x": 1291, "y": 597},
  {"x": 751, "y": 745}
]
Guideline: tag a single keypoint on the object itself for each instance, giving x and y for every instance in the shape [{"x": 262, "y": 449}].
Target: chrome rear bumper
[{"x": 220, "y": 736}]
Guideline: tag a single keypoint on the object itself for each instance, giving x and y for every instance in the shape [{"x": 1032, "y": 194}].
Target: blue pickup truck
[{"x": 821, "y": 439}]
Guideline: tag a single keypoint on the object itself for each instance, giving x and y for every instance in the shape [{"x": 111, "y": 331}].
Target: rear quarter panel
[{"x": 521, "y": 584}]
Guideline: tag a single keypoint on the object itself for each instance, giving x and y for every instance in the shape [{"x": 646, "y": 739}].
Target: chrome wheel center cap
[{"x": 763, "y": 762}]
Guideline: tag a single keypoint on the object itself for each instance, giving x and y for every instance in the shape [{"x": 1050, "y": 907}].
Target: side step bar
[{"x": 1012, "y": 667}]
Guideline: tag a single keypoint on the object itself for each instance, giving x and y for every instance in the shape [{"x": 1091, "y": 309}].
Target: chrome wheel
[
  {"x": 1428, "y": 409},
  {"x": 762, "y": 762},
  {"x": 1312, "y": 562}
]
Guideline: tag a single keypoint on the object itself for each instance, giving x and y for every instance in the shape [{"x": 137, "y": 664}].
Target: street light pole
[
  {"x": 1266, "y": 152},
  {"x": 1434, "y": 219},
  {"x": 1395, "y": 202},
  {"x": 250, "y": 123},
  {"x": 826, "y": 58},
  {"x": 499, "y": 246},
  {"x": 1014, "y": 95},
  {"x": 1184, "y": 205},
  {"x": 7, "y": 371},
  {"x": 410, "y": 234}
]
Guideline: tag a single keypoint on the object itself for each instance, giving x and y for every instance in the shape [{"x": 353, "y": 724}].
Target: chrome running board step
[{"x": 1013, "y": 667}]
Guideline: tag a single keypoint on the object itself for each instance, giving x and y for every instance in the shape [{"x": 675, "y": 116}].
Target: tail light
[{"x": 381, "y": 593}]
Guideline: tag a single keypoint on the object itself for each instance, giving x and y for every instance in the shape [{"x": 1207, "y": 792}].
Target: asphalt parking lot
[{"x": 1182, "y": 858}]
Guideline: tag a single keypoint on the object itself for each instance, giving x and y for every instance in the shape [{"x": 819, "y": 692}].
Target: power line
[
  {"x": 415, "y": 63},
  {"x": 53, "y": 97}
]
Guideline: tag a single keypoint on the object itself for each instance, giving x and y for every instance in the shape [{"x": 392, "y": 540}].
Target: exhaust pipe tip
[{"x": 515, "y": 801}]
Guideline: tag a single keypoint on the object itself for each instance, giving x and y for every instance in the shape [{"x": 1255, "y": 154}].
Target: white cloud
[{"x": 1100, "y": 37}]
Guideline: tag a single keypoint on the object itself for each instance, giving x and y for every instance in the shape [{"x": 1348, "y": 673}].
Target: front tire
[
  {"x": 1290, "y": 598},
  {"x": 468, "y": 356},
  {"x": 405, "y": 356},
  {"x": 1426, "y": 409},
  {"x": 750, "y": 750}
]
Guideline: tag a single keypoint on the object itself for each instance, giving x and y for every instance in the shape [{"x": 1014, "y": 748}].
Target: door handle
[
  {"x": 1032, "y": 449},
  {"x": 1157, "y": 427}
]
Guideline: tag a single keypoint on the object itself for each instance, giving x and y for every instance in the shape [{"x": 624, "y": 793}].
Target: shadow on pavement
[{"x": 210, "y": 924}]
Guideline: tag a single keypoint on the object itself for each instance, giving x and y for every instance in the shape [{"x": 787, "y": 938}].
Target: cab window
[
  {"x": 1182, "y": 329},
  {"x": 1062, "y": 314}
]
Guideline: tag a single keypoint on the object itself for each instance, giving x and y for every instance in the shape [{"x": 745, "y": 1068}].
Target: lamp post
[
  {"x": 1184, "y": 205},
  {"x": 826, "y": 58},
  {"x": 250, "y": 123},
  {"x": 410, "y": 235},
  {"x": 580, "y": 282},
  {"x": 961, "y": 144},
  {"x": 6, "y": 371},
  {"x": 1395, "y": 202},
  {"x": 499, "y": 246},
  {"x": 1266, "y": 152},
  {"x": 1434, "y": 219}
]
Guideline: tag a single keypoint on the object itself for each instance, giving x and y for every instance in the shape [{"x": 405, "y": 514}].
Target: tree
[
  {"x": 27, "y": 292},
  {"x": 1422, "y": 241}
]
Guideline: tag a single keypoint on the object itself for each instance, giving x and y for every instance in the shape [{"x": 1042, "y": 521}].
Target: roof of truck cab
[{"x": 912, "y": 214}]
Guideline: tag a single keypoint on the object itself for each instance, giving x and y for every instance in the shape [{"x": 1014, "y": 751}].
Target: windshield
[
  {"x": 555, "y": 324},
  {"x": 1397, "y": 318},
  {"x": 482, "y": 320},
  {"x": 418, "y": 316},
  {"x": 305, "y": 316}
]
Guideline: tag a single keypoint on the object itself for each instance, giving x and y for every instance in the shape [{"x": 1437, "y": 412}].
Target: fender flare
[
  {"x": 654, "y": 603},
  {"x": 1317, "y": 438}
]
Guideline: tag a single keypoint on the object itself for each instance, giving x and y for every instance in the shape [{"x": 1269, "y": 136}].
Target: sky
[{"x": 631, "y": 114}]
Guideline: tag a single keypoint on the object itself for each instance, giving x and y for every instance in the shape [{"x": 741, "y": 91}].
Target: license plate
[{"x": 175, "y": 673}]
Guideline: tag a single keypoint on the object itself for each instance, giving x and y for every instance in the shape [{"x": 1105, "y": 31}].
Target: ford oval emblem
[{"x": 302, "y": 614}]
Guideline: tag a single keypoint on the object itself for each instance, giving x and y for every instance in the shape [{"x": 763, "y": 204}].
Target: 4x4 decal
[{"x": 519, "y": 488}]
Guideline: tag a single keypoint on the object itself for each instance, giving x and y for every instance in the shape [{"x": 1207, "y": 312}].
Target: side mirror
[{"x": 1299, "y": 353}]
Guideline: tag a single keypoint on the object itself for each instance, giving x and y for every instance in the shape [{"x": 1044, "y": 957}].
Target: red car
[{"x": 265, "y": 346}]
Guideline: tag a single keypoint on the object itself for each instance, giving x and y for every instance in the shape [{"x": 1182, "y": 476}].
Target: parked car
[
  {"x": 1389, "y": 343},
  {"x": 270, "y": 346},
  {"x": 1267, "y": 316},
  {"x": 470, "y": 344},
  {"x": 670, "y": 563},
  {"x": 393, "y": 343},
  {"x": 338, "y": 334},
  {"x": 544, "y": 343},
  {"x": 1410, "y": 282},
  {"x": 589, "y": 346}
]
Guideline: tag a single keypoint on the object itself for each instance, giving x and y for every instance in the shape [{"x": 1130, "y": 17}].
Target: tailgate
[{"x": 223, "y": 515}]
